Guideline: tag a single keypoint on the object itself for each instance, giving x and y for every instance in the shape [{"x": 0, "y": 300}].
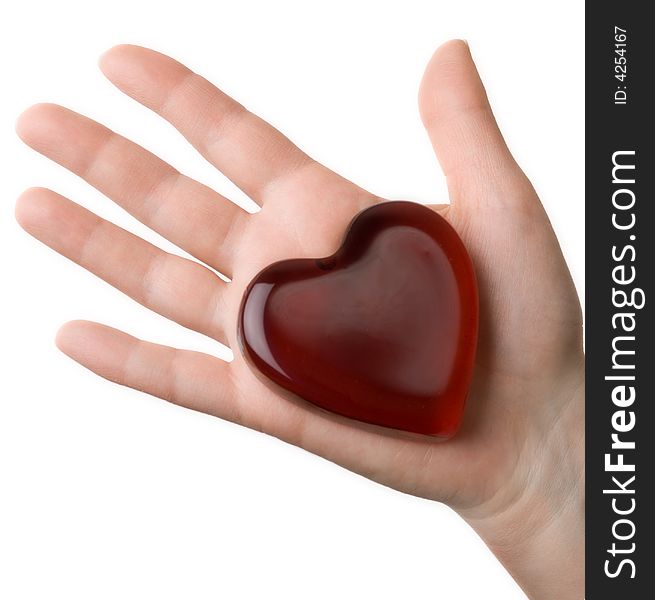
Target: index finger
[{"x": 248, "y": 150}]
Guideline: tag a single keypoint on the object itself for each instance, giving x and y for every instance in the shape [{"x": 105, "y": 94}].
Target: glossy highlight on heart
[{"x": 383, "y": 331}]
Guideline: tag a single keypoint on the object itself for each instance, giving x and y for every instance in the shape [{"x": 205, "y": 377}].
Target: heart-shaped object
[{"x": 383, "y": 331}]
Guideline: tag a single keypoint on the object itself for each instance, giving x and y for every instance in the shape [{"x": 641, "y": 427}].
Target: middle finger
[{"x": 191, "y": 215}]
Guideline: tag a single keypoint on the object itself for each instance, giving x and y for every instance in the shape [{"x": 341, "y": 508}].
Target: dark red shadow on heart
[{"x": 383, "y": 331}]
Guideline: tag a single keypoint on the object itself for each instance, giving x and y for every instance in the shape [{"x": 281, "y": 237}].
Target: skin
[{"x": 514, "y": 472}]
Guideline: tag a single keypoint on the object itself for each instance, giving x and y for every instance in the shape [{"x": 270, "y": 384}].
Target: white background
[{"x": 108, "y": 493}]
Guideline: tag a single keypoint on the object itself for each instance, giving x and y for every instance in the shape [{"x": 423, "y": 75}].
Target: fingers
[
  {"x": 189, "y": 214},
  {"x": 191, "y": 379},
  {"x": 245, "y": 148},
  {"x": 175, "y": 287},
  {"x": 464, "y": 133}
]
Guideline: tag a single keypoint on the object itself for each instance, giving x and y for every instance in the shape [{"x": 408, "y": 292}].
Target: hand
[{"x": 514, "y": 471}]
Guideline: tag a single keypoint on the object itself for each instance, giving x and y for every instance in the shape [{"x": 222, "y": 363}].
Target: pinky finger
[{"x": 190, "y": 379}]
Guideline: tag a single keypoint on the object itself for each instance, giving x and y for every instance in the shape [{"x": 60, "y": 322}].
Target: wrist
[
  {"x": 535, "y": 527},
  {"x": 546, "y": 560}
]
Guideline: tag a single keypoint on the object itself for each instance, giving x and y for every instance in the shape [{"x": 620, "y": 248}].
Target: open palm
[{"x": 521, "y": 407}]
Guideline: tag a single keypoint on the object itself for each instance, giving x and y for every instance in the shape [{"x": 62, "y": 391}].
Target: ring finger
[{"x": 154, "y": 278}]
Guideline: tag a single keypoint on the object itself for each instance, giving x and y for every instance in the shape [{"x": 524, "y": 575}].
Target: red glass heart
[{"x": 383, "y": 331}]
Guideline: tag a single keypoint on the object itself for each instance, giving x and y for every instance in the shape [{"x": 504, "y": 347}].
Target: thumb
[{"x": 455, "y": 111}]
